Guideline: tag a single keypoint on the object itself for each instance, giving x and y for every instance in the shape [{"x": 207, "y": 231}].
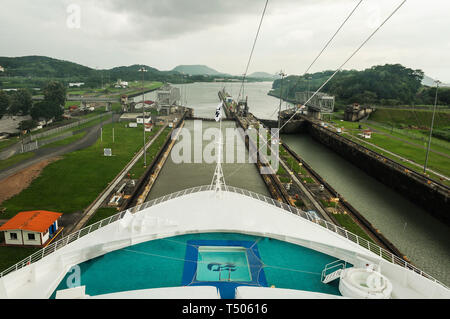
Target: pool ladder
[
  {"x": 229, "y": 274},
  {"x": 337, "y": 266}
]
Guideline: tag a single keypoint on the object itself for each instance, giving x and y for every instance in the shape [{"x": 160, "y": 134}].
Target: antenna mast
[{"x": 218, "y": 181}]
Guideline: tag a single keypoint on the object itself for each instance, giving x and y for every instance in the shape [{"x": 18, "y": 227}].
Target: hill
[
  {"x": 196, "y": 70},
  {"x": 41, "y": 66},
  {"x": 263, "y": 75},
  {"x": 35, "y": 71},
  {"x": 385, "y": 85}
]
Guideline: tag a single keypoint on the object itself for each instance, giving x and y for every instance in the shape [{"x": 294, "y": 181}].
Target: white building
[
  {"x": 2, "y": 69},
  {"x": 76, "y": 84},
  {"x": 121, "y": 84},
  {"x": 33, "y": 228},
  {"x": 148, "y": 119}
]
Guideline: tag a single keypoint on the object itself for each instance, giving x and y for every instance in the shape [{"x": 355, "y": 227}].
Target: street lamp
[
  {"x": 282, "y": 74},
  {"x": 309, "y": 78},
  {"x": 432, "y": 124},
  {"x": 143, "y": 70}
]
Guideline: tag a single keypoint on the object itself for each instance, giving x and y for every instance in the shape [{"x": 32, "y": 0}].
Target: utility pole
[
  {"x": 282, "y": 74},
  {"x": 431, "y": 129},
  {"x": 143, "y": 113},
  {"x": 112, "y": 120},
  {"x": 309, "y": 84}
]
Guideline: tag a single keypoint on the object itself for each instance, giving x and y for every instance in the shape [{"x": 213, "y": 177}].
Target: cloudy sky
[{"x": 220, "y": 33}]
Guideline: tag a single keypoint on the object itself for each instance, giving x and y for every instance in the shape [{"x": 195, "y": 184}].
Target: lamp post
[
  {"x": 309, "y": 78},
  {"x": 282, "y": 74},
  {"x": 143, "y": 114},
  {"x": 431, "y": 129}
]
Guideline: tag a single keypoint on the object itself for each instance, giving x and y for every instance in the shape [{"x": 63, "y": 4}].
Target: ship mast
[{"x": 218, "y": 181}]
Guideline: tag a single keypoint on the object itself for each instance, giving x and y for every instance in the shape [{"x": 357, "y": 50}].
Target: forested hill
[
  {"x": 38, "y": 69},
  {"x": 196, "y": 70},
  {"x": 390, "y": 84},
  {"x": 41, "y": 66}
]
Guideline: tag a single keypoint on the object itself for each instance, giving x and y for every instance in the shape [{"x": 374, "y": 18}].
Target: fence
[
  {"x": 66, "y": 127},
  {"x": 386, "y": 255},
  {"x": 419, "y": 137},
  {"x": 35, "y": 143}
]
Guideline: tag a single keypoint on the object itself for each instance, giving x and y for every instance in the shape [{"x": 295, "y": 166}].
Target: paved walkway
[{"x": 45, "y": 153}]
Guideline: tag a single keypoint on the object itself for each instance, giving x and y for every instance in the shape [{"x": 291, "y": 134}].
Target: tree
[
  {"x": 53, "y": 104},
  {"x": 46, "y": 109},
  {"x": 20, "y": 102},
  {"x": 14, "y": 105},
  {"x": 27, "y": 125},
  {"x": 4, "y": 103},
  {"x": 55, "y": 93},
  {"x": 25, "y": 101},
  {"x": 390, "y": 83}
]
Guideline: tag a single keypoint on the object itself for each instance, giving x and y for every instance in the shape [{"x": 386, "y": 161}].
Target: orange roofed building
[{"x": 34, "y": 228}]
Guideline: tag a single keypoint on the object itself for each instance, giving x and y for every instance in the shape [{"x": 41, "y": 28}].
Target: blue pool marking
[{"x": 226, "y": 288}]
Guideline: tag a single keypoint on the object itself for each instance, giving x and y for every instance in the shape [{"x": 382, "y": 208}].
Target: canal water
[
  {"x": 175, "y": 177},
  {"x": 203, "y": 97},
  {"x": 424, "y": 240}
]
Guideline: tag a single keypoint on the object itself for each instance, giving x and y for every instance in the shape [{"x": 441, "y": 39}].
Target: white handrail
[
  {"x": 332, "y": 265},
  {"x": 386, "y": 255}
]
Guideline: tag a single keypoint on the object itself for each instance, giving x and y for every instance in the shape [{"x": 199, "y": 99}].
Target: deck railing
[{"x": 386, "y": 255}]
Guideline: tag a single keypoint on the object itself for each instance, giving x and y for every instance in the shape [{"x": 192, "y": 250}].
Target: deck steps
[
  {"x": 333, "y": 271},
  {"x": 332, "y": 276}
]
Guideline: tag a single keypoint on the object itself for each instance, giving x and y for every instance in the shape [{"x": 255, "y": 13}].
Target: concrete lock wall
[{"x": 432, "y": 197}]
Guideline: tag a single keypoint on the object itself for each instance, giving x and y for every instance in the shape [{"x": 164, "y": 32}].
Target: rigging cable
[
  {"x": 251, "y": 53},
  {"x": 331, "y": 77},
  {"x": 327, "y": 44},
  {"x": 346, "y": 61}
]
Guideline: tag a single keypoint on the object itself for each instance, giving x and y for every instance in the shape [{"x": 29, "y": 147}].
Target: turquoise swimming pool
[
  {"x": 216, "y": 263},
  {"x": 204, "y": 259}
]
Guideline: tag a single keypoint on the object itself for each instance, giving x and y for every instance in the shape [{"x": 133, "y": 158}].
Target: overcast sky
[{"x": 220, "y": 33}]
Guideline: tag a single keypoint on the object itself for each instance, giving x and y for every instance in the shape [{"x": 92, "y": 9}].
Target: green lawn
[
  {"x": 416, "y": 153},
  {"x": 66, "y": 141},
  {"x": 12, "y": 255},
  {"x": 138, "y": 169},
  {"x": 419, "y": 137},
  {"x": 101, "y": 214},
  {"x": 15, "y": 159},
  {"x": 411, "y": 166},
  {"x": 439, "y": 163},
  {"x": 77, "y": 127},
  {"x": 349, "y": 224},
  {"x": 71, "y": 184},
  {"x": 136, "y": 88},
  {"x": 416, "y": 136},
  {"x": 416, "y": 117},
  {"x": 8, "y": 142}
]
